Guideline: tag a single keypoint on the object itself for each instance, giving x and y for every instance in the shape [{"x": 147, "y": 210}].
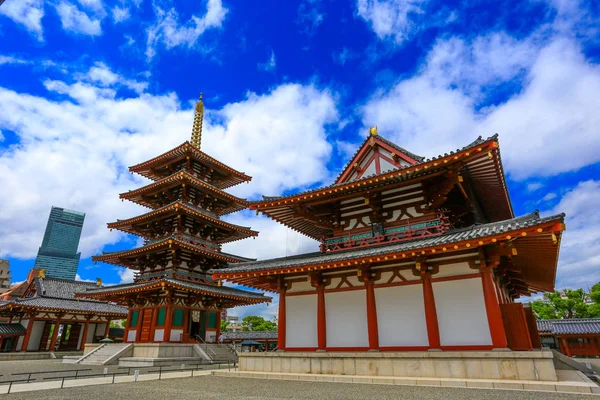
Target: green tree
[
  {"x": 224, "y": 326},
  {"x": 543, "y": 310},
  {"x": 117, "y": 323},
  {"x": 570, "y": 304},
  {"x": 256, "y": 323}
]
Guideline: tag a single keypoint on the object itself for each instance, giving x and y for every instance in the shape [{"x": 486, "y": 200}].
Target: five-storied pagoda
[
  {"x": 420, "y": 264},
  {"x": 173, "y": 298}
]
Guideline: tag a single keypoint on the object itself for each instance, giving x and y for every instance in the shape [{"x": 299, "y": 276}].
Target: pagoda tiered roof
[
  {"x": 118, "y": 293},
  {"x": 480, "y": 161},
  {"x": 175, "y": 241},
  {"x": 139, "y": 225},
  {"x": 157, "y": 168},
  {"x": 536, "y": 240},
  {"x": 143, "y": 195}
]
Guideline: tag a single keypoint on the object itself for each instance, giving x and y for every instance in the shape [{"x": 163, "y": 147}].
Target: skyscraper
[{"x": 58, "y": 254}]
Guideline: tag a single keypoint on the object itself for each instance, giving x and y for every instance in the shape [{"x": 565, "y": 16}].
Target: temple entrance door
[
  {"x": 74, "y": 334},
  {"x": 195, "y": 322},
  {"x": 203, "y": 320},
  {"x": 146, "y": 325}
]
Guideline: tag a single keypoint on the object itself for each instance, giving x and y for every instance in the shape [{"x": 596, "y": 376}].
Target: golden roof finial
[
  {"x": 373, "y": 130},
  {"x": 42, "y": 273},
  {"x": 197, "y": 127}
]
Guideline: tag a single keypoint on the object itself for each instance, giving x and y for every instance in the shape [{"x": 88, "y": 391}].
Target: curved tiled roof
[
  {"x": 254, "y": 335},
  {"x": 452, "y": 236},
  {"x": 571, "y": 326}
]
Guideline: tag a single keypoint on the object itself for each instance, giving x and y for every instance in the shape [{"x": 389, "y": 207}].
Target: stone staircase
[
  {"x": 104, "y": 355},
  {"x": 219, "y": 352}
]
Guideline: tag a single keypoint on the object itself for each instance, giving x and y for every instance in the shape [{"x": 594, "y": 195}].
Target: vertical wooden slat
[
  {"x": 534, "y": 334},
  {"x": 515, "y": 325}
]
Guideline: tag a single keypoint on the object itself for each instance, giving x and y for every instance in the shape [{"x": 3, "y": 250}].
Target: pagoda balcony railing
[
  {"x": 399, "y": 233},
  {"x": 194, "y": 240},
  {"x": 175, "y": 274}
]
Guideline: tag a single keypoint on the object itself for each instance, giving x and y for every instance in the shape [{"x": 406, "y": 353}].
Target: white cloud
[
  {"x": 120, "y": 14},
  {"x": 579, "y": 263},
  {"x": 80, "y": 279},
  {"x": 168, "y": 32},
  {"x": 76, "y": 21},
  {"x": 534, "y": 186},
  {"x": 552, "y": 117},
  {"x": 343, "y": 56},
  {"x": 86, "y": 141},
  {"x": 12, "y": 60},
  {"x": 270, "y": 64},
  {"x": 549, "y": 196},
  {"x": 391, "y": 18},
  {"x": 126, "y": 275},
  {"x": 28, "y": 13},
  {"x": 310, "y": 16},
  {"x": 100, "y": 73}
]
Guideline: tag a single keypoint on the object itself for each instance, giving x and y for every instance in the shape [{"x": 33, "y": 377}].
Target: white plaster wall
[
  {"x": 385, "y": 165},
  {"x": 20, "y": 342},
  {"x": 159, "y": 334},
  {"x": 346, "y": 314},
  {"x": 301, "y": 321},
  {"x": 211, "y": 336},
  {"x": 301, "y": 287},
  {"x": 131, "y": 335},
  {"x": 176, "y": 335},
  {"x": 90, "y": 335},
  {"x": 100, "y": 329},
  {"x": 462, "y": 318},
  {"x": 36, "y": 336},
  {"x": 461, "y": 268},
  {"x": 81, "y": 336},
  {"x": 401, "y": 316}
]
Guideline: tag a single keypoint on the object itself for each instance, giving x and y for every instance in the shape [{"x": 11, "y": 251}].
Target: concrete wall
[{"x": 524, "y": 365}]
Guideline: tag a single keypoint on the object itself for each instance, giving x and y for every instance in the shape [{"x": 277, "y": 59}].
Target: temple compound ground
[{"x": 212, "y": 387}]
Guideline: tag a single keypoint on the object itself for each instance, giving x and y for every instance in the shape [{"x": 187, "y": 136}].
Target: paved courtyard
[{"x": 211, "y": 387}]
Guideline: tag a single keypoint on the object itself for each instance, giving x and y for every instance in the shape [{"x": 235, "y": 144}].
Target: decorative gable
[{"x": 376, "y": 155}]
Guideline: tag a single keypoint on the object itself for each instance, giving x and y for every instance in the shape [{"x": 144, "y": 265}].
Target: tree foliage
[
  {"x": 256, "y": 323},
  {"x": 224, "y": 326},
  {"x": 568, "y": 304}
]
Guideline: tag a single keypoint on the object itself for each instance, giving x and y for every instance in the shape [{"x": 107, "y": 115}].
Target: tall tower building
[
  {"x": 4, "y": 275},
  {"x": 58, "y": 254}
]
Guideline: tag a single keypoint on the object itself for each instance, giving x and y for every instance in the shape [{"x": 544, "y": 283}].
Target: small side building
[
  {"x": 578, "y": 337},
  {"x": 36, "y": 307}
]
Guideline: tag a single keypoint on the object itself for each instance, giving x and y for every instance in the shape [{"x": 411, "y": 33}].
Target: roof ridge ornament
[
  {"x": 373, "y": 130},
  {"x": 197, "y": 127}
]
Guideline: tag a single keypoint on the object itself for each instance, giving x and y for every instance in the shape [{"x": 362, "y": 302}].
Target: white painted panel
[
  {"x": 354, "y": 281},
  {"x": 20, "y": 342},
  {"x": 409, "y": 276},
  {"x": 36, "y": 335},
  {"x": 211, "y": 336},
  {"x": 301, "y": 321},
  {"x": 25, "y": 322},
  {"x": 462, "y": 318},
  {"x": 176, "y": 335},
  {"x": 130, "y": 335},
  {"x": 455, "y": 269},
  {"x": 159, "y": 335},
  {"x": 301, "y": 287},
  {"x": 371, "y": 169},
  {"x": 401, "y": 316},
  {"x": 100, "y": 329},
  {"x": 92, "y": 330},
  {"x": 385, "y": 165},
  {"x": 347, "y": 319},
  {"x": 80, "y": 336}
]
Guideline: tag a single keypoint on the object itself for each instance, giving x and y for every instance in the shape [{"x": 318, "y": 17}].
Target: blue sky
[{"x": 89, "y": 87}]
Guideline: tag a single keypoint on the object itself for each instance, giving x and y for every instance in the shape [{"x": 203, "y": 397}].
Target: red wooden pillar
[
  {"x": 168, "y": 323},
  {"x": 85, "y": 333},
  {"x": 567, "y": 349},
  {"x": 127, "y": 322},
  {"x": 433, "y": 330},
  {"x": 107, "y": 328},
  {"x": 27, "y": 333},
  {"x": 153, "y": 323},
  {"x": 281, "y": 322},
  {"x": 372, "y": 326},
  {"x": 55, "y": 333},
  {"x": 218, "y": 326},
  {"x": 492, "y": 309},
  {"x": 321, "y": 319}
]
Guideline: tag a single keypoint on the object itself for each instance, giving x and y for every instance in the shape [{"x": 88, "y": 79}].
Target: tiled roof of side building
[
  {"x": 456, "y": 235},
  {"x": 572, "y": 326},
  {"x": 218, "y": 290},
  {"x": 60, "y": 288},
  {"x": 12, "y": 329},
  {"x": 544, "y": 325},
  {"x": 244, "y": 335},
  {"x": 70, "y": 305},
  {"x": 474, "y": 143}
]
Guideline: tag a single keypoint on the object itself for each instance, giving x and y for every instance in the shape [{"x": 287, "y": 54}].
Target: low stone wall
[
  {"x": 510, "y": 365},
  {"x": 163, "y": 350},
  {"x": 17, "y": 356}
]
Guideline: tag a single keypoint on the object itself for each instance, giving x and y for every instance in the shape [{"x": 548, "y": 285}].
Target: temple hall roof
[
  {"x": 12, "y": 329},
  {"x": 252, "y": 335},
  {"x": 571, "y": 326}
]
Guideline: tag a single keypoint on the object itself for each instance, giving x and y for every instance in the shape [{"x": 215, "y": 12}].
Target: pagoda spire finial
[
  {"x": 373, "y": 131},
  {"x": 197, "y": 127}
]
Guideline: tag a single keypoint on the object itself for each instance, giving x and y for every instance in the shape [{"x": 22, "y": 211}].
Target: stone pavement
[
  {"x": 213, "y": 387},
  {"x": 569, "y": 381}
]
